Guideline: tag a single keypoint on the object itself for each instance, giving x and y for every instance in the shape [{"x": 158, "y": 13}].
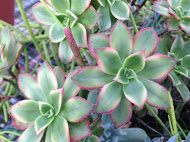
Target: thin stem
[
  {"x": 46, "y": 53},
  {"x": 84, "y": 51},
  {"x": 9, "y": 132},
  {"x": 26, "y": 59},
  {"x": 25, "y": 41},
  {"x": 158, "y": 119},
  {"x": 133, "y": 22},
  {"x": 5, "y": 113},
  {"x": 22, "y": 11},
  {"x": 183, "y": 133},
  {"x": 54, "y": 54},
  {"x": 73, "y": 64}
]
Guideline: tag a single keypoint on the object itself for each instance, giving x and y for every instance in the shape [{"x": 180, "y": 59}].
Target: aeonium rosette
[
  {"x": 125, "y": 72},
  {"x": 51, "y": 110},
  {"x": 78, "y": 15}
]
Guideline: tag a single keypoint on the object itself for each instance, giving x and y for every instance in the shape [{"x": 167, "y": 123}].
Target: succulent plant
[
  {"x": 10, "y": 51},
  {"x": 125, "y": 69},
  {"x": 181, "y": 52},
  {"x": 51, "y": 109},
  {"x": 77, "y": 17},
  {"x": 178, "y": 12}
]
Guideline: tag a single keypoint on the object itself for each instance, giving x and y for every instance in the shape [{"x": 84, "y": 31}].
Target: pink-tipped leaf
[
  {"x": 60, "y": 5},
  {"x": 60, "y": 76},
  {"x": 173, "y": 24},
  {"x": 54, "y": 37},
  {"x": 79, "y": 6}
]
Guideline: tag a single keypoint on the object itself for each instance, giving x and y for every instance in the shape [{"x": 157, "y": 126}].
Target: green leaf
[
  {"x": 120, "y": 10},
  {"x": 60, "y": 130},
  {"x": 5, "y": 39},
  {"x": 120, "y": 77},
  {"x": 25, "y": 111},
  {"x": 174, "y": 3},
  {"x": 60, "y": 5},
  {"x": 186, "y": 61},
  {"x": 102, "y": 2},
  {"x": 104, "y": 21},
  {"x": 121, "y": 40},
  {"x": 89, "y": 18},
  {"x": 4, "y": 65},
  {"x": 157, "y": 95},
  {"x": 30, "y": 88},
  {"x": 44, "y": 107},
  {"x": 184, "y": 91},
  {"x": 97, "y": 41},
  {"x": 41, "y": 123},
  {"x": 91, "y": 78},
  {"x": 173, "y": 76},
  {"x": 54, "y": 37},
  {"x": 65, "y": 53},
  {"x": 47, "y": 79},
  {"x": 42, "y": 15},
  {"x": 72, "y": 18},
  {"x": 135, "y": 92},
  {"x": 146, "y": 39},
  {"x": 186, "y": 49},
  {"x": 60, "y": 76},
  {"x": 79, "y": 34},
  {"x": 76, "y": 109},
  {"x": 109, "y": 98},
  {"x": 157, "y": 66},
  {"x": 108, "y": 60},
  {"x": 122, "y": 114},
  {"x": 177, "y": 46},
  {"x": 93, "y": 139},
  {"x": 79, "y": 130},
  {"x": 30, "y": 135},
  {"x": 185, "y": 25},
  {"x": 181, "y": 70},
  {"x": 136, "y": 61},
  {"x": 185, "y": 4},
  {"x": 71, "y": 89},
  {"x": 79, "y": 6},
  {"x": 48, "y": 134},
  {"x": 173, "y": 24},
  {"x": 164, "y": 11},
  {"x": 56, "y": 97}
]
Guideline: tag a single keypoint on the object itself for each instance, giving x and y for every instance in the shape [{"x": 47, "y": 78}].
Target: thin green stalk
[
  {"x": 158, "y": 119},
  {"x": 183, "y": 133},
  {"x": 22, "y": 11},
  {"x": 35, "y": 69},
  {"x": 26, "y": 59},
  {"x": 84, "y": 51},
  {"x": 39, "y": 38},
  {"x": 46, "y": 53},
  {"x": 10, "y": 132},
  {"x": 54, "y": 54},
  {"x": 133, "y": 22},
  {"x": 73, "y": 64},
  {"x": 5, "y": 113}
]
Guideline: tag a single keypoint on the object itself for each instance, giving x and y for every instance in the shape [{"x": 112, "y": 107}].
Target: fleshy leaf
[
  {"x": 30, "y": 135},
  {"x": 120, "y": 10},
  {"x": 19, "y": 125},
  {"x": 79, "y": 130},
  {"x": 122, "y": 114},
  {"x": 146, "y": 39},
  {"x": 173, "y": 76},
  {"x": 5, "y": 39},
  {"x": 46, "y": 79},
  {"x": 54, "y": 37},
  {"x": 104, "y": 21},
  {"x": 56, "y": 97},
  {"x": 181, "y": 70},
  {"x": 60, "y": 5},
  {"x": 102, "y": 2},
  {"x": 72, "y": 18},
  {"x": 185, "y": 25},
  {"x": 89, "y": 18},
  {"x": 76, "y": 109},
  {"x": 25, "y": 111},
  {"x": 177, "y": 46},
  {"x": 185, "y": 4},
  {"x": 79, "y": 34},
  {"x": 60, "y": 130},
  {"x": 183, "y": 91},
  {"x": 174, "y": 3},
  {"x": 157, "y": 66},
  {"x": 162, "y": 10},
  {"x": 135, "y": 61},
  {"x": 109, "y": 98},
  {"x": 97, "y": 41},
  {"x": 60, "y": 76},
  {"x": 79, "y": 6},
  {"x": 30, "y": 88},
  {"x": 42, "y": 15},
  {"x": 91, "y": 78},
  {"x": 71, "y": 89},
  {"x": 44, "y": 107},
  {"x": 120, "y": 77},
  {"x": 41, "y": 123},
  {"x": 65, "y": 52},
  {"x": 108, "y": 60},
  {"x": 135, "y": 92},
  {"x": 157, "y": 95},
  {"x": 173, "y": 13},
  {"x": 48, "y": 134},
  {"x": 186, "y": 61},
  {"x": 121, "y": 40},
  {"x": 93, "y": 139},
  {"x": 173, "y": 24}
]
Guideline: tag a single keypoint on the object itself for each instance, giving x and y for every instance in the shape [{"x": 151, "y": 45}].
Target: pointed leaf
[
  {"x": 80, "y": 34},
  {"x": 54, "y": 37},
  {"x": 5, "y": 39},
  {"x": 185, "y": 25},
  {"x": 173, "y": 76},
  {"x": 25, "y": 111},
  {"x": 60, "y": 130},
  {"x": 30, "y": 135},
  {"x": 183, "y": 91},
  {"x": 79, "y": 6},
  {"x": 121, "y": 40},
  {"x": 136, "y": 61},
  {"x": 79, "y": 130},
  {"x": 174, "y": 3},
  {"x": 44, "y": 107},
  {"x": 89, "y": 18},
  {"x": 104, "y": 21},
  {"x": 19, "y": 125},
  {"x": 185, "y": 4},
  {"x": 135, "y": 92},
  {"x": 97, "y": 41},
  {"x": 122, "y": 114},
  {"x": 108, "y": 60},
  {"x": 157, "y": 66},
  {"x": 120, "y": 77},
  {"x": 65, "y": 53},
  {"x": 157, "y": 95},
  {"x": 48, "y": 134},
  {"x": 173, "y": 13},
  {"x": 76, "y": 109},
  {"x": 60, "y": 5},
  {"x": 186, "y": 61},
  {"x": 164, "y": 11},
  {"x": 41, "y": 123},
  {"x": 181, "y": 70},
  {"x": 146, "y": 39},
  {"x": 177, "y": 46},
  {"x": 72, "y": 18},
  {"x": 109, "y": 98},
  {"x": 120, "y": 10},
  {"x": 173, "y": 24},
  {"x": 71, "y": 89},
  {"x": 60, "y": 76},
  {"x": 46, "y": 79},
  {"x": 91, "y": 78}
]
